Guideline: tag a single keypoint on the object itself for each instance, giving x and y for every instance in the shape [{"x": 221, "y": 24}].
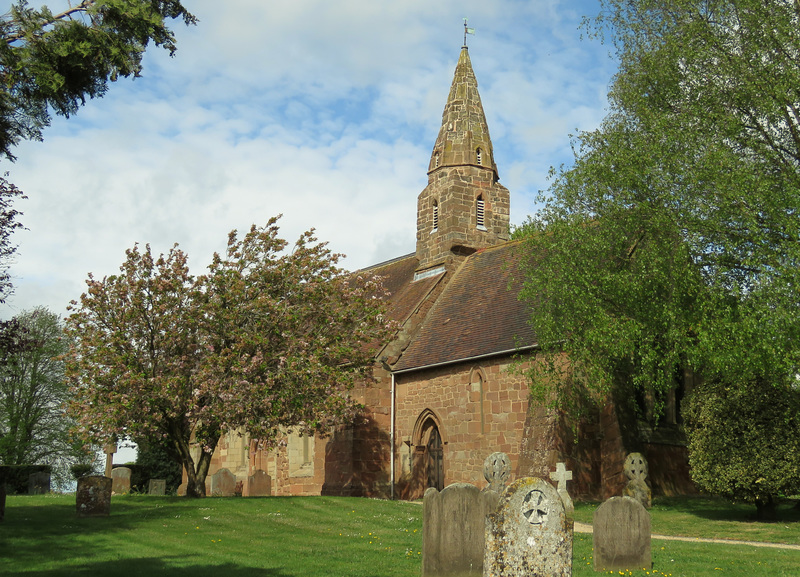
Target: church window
[
  {"x": 478, "y": 156},
  {"x": 435, "y": 215},
  {"x": 480, "y": 213}
]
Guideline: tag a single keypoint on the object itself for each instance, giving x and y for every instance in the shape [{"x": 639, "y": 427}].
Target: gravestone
[
  {"x": 121, "y": 480},
  {"x": 109, "y": 450},
  {"x": 621, "y": 535},
  {"x": 259, "y": 484},
  {"x": 561, "y": 476},
  {"x": 39, "y": 483},
  {"x": 496, "y": 471},
  {"x": 93, "y": 497},
  {"x": 157, "y": 487},
  {"x": 528, "y": 534},
  {"x": 223, "y": 483},
  {"x": 636, "y": 470},
  {"x": 453, "y": 527}
]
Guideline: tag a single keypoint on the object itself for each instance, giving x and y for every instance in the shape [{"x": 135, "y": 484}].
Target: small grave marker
[
  {"x": 121, "y": 477},
  {"x": 93, "y": 497},
  {"x": 496, "y": 471},
  {"x": 636, "y": 470},
  {"x": 561, "y": 476},
  {"x": 223, "y": 484},
  {"x": 259, "y": 484},
  {"x": 157, "y": 487},
  {"x": 621, "y": 536}
]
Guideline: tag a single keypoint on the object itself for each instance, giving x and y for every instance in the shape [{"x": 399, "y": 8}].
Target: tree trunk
[
  {"x": 195, "y": 472},
  {"x": 766, "y": 509}
]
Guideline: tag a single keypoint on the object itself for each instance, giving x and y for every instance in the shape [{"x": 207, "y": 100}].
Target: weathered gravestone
[
  {"x": 223, "y": 483},
  {"x": 496, "y": 471},
  {"x": 93, "y": 497},
  {"x": 636, "y": 470},
  {"x": 453, "y": 526},
  {"x": 528, "y": 535},
  {"x": 259, "y": 484},
  {"x": 39, "y": 483},
  {"x": 121, "y": 480},
  {"x": 157, "y": 487},
  {"x": 621, "y": 535}
]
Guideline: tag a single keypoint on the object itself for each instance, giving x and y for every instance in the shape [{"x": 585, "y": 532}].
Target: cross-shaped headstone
[
  {"x": 109, "y": 450},
  {"x": 561, "y": 476}
]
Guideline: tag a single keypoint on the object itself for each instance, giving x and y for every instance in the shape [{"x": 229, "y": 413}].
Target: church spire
[
  {"x": 464, "y": 208},
  {"x": 464, "y": 136}
]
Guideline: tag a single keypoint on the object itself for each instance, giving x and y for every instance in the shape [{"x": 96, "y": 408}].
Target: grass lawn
[{"x": 330, "y": 537}]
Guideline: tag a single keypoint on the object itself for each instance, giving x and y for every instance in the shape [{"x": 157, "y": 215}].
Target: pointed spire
[{"x": 464, "y": 136}]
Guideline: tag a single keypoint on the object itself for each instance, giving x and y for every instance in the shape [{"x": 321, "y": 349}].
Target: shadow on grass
[
  {"x": 718, "y": 509},
  {"x": 149, "y": 567}
]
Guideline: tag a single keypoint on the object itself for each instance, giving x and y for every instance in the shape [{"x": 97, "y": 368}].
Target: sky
[{"x": 324, "y": 112}]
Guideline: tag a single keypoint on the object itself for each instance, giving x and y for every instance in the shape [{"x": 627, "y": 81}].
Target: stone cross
[
  {"x": 635, "y": 469},
  {"x": 496, "y": 471},
  {"x": 109, "y": 450},
  {"x": 561, "y": 476}
]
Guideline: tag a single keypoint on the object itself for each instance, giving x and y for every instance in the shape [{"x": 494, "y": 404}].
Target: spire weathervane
[{"x": 467, "y": 31}]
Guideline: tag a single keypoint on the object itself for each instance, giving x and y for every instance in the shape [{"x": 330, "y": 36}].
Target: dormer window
[
  {"x": 435, "y": 215},
  {"x": 480, "y": 213},
  {"x": 478, "y": 156}
]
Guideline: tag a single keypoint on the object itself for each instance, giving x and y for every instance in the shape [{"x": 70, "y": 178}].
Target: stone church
[{"x": 449, "y": 389}]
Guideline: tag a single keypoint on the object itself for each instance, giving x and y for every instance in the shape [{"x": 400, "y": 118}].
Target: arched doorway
[{"x": 434, "y": 459}]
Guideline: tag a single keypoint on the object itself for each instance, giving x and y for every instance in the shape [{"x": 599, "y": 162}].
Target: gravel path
[{"x": 584, "y": 528}]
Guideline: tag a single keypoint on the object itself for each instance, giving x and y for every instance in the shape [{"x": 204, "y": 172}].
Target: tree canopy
[
  {"x": 54, "y": 61},
  {"x": 272, "y": 338},
  {"x": 672, "y": 241}
]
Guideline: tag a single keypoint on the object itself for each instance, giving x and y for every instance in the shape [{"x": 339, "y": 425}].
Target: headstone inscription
[
  {"x": 93, "y": 497},
  {"x": 528, "y": 534},
  {"x": 453, "y": 526},
  {"x": 636, "y": 470},
  {"x": 496, "y": 471},
  {"x": 121, "y": 481},
  {"x": 259, "y": 484},
  {"x": 157, "y": 487},
  {"x": 39, "y": 483},
  {"x": 223, "y": 483},
  {"x": 621, "y": 536}
]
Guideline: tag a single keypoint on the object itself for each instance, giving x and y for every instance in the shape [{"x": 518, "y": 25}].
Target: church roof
[{"x": 477, "y": 314}]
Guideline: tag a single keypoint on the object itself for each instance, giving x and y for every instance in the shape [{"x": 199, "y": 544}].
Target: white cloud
[{"x": 325, "y": 112}]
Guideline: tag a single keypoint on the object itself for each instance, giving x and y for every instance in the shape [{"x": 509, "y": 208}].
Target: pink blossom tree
[{"x": 270, "y": 339}]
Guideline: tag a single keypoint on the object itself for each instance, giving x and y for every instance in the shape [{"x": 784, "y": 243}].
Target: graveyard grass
[{"x": 332, "y": 536}]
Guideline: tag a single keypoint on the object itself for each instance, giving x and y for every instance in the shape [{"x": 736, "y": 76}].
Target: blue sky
[{"x": 325, "y": 112}]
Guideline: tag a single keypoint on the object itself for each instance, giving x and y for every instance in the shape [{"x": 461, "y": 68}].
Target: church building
[{"x": 450, "y": 389}]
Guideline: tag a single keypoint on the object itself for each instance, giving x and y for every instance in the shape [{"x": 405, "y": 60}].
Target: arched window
[
  {"x": 479, "y": 156},
  {"x": 478, "y": 394},
  {"x": 435, "y": 215},
  {"x": 480, "y": 213}
]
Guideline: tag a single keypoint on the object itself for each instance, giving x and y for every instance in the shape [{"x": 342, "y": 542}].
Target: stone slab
[
  {"x": 223, "y": 484},
  {"x": 259, "y": 484},
  {"x": 121, "y": 480},
  {"x": 157, "y": 487},
  {"x": 621, "y": 536},
  {"x": 93, "y": 497}
]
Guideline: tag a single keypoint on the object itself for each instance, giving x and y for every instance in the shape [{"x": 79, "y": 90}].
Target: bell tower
[{"x": 464, "y": 208}]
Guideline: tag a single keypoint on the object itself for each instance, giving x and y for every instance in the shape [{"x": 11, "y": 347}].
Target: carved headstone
[
  {"x": 39, "y": 483},
  {"x": 121, "y": 477},
  {"x": 259, "y": 484},
  {"x": 496, "y": 471},
  {"x": 636, "y": 470},
  {"x": 621, "y": 535},
  {"x": 453, "y": 527},
  {"x": 157, "y": 487},
  {"x": 528, "y": 534},
  {"x": 223, "y": 483},
  {"x": 561, "y": 476},
  {"x": 93, "y": 497}
]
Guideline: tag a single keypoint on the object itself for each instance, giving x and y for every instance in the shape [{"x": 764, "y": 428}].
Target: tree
[
  {"x": 752, "y": 458},
  {"x": 671, "y": 243},
  {"x": 54, "y": 61},
  {"x": 33, "y": 426},
  {"x": 268, "y": 340}
]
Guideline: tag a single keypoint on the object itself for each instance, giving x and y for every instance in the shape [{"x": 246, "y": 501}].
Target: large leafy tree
[
  {"x": 271, "y": 338},
  {"x": 33, "y": 389},
  {"x": 55, "y": 60},
  {"x": 672, "y": 243}
]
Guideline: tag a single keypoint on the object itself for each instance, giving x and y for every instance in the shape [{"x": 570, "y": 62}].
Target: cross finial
[{"x": 467, "y": 31}]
